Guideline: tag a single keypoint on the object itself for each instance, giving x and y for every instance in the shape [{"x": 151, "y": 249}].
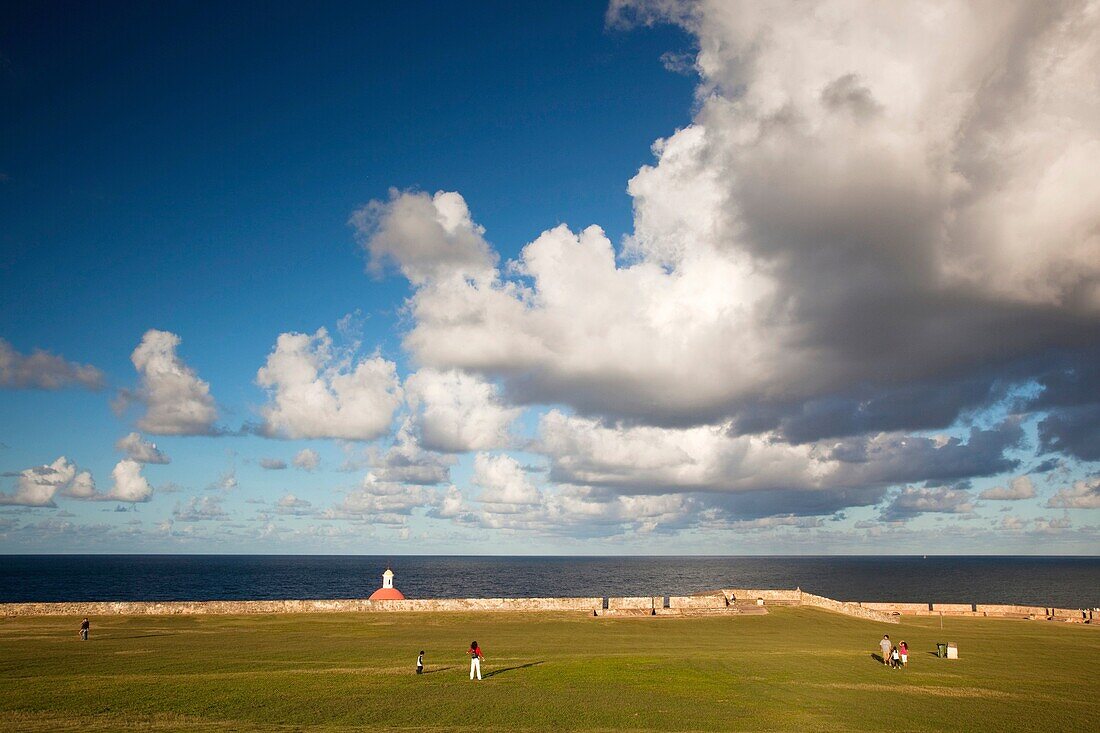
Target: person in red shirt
[{"x": 475, "y": 659}]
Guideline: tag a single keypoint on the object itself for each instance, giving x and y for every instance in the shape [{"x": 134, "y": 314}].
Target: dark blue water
[{"x": 1045, "y": 581}]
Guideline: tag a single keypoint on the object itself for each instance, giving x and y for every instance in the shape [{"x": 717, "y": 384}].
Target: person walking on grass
[
  {"x": 885, "y": 645},
  {"x": 84, "y": 626},
  {"x": 420, "y": 662},
  {"x": 475, "y": 659},
  {"x": 903, "y": 649},
  {"x": 895, "y": 658}
]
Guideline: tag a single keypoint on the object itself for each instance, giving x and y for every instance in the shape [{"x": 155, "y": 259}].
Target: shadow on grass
[
  {"x": 878, "y": 658},
  {"x": 440, "y": 669},
  {"x": 495, "y": 672},
  {"x": 147, "y": 636}
]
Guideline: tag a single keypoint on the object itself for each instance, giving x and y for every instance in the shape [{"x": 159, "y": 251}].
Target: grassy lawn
[{"x": 795, "y": 669}]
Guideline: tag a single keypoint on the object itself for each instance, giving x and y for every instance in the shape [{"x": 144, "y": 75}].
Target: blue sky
[{"x": 791, "y": 334}]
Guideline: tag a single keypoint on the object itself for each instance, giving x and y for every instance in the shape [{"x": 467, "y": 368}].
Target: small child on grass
[{"x": 420, "y": 662}]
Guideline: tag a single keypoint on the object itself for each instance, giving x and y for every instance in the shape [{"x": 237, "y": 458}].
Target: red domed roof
[{"x": 387, "y": 594}]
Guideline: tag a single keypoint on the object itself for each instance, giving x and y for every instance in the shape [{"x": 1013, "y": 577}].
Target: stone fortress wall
[{"x": 721, "y": 602}]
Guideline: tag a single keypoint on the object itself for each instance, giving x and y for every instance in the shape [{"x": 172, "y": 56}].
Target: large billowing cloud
[
  {"x": 760, "y": 474},
  {"x": 319, "y": 391},
  {"x": 37, "y": 486},
  {"x": 839, "y": 242},
  {"x": 176, "y": 401},
  {"x": 43, "y": 370},
  {"x": 880, "y": 224},
  {"x": 455, "y": 412}
]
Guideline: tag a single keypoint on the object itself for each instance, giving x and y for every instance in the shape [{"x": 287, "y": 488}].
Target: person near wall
[{"x": 475, "y": 659}]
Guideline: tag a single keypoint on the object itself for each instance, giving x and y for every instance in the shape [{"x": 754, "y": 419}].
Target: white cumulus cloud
[
  {"x": 1018, "y": 488},
  {"x": 503, "y": 482},
  {"x": 454, "y": 411},
  {"x": 318, "y": 391},
  {"x": 176, "y": 401},
  {"x": 838, "y": 242},
  {"x": 141, "y": 450},
  {"x": 129, "y": 485},
  {"x": 307, "y": 459},
  {"x": 37, "y": 486},
  {"x": 1083, "y": 494}
]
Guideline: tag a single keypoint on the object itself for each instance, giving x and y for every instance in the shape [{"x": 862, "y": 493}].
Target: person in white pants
[{"x": 475, "y": 660}]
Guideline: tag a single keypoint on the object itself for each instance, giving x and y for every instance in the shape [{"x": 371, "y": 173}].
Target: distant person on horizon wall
[
  {"x": 885, "y": 645},
  {"x": 475, "y": 660},
  {"x": 84, "y": 626}
]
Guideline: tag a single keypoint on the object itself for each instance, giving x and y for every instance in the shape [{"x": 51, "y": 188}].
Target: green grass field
[{"x": 794, "y": 669}]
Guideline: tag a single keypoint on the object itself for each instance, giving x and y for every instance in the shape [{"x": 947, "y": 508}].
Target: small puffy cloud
[
  {"x": 455, "y": 411},
  {"x": 911, "y": 502},
  {"x": 427, "y": 237},
  {"x": 1018, "y": 488},
  {"x": 768, "y": 523},
  {"x": 1083, "y": 494},
  {"x": 503, "y": 482},
  {"x": 43, "y": 370},
  {"x": 138, "y": 449},
  {"x": 272, "y": 464},
  {"x": 37, "y": 486},
  {"x": 1052, "y": 526},
  {"x": 451, "y": 505},
  {"x": 838, "y": 244},
  {"x": 227, "y": 481},
  {"x": 292, "y": 505},
  {"x": 176, "y": 401},
  {"x": 129, "y": 485},
  {"x": 307, "y": 459},
  {"x": 317, "y": 391},
  {"x": 199, "y": 509},
  {"x": 1013, "y": 524}
]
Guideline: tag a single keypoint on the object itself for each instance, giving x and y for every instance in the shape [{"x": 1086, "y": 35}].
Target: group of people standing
[
  {"x": 474, "y": 653},
  {"x": 895, "y": 657}
]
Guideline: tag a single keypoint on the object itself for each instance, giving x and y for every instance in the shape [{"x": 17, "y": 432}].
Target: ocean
[{"x": 1072, "y": 582}]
